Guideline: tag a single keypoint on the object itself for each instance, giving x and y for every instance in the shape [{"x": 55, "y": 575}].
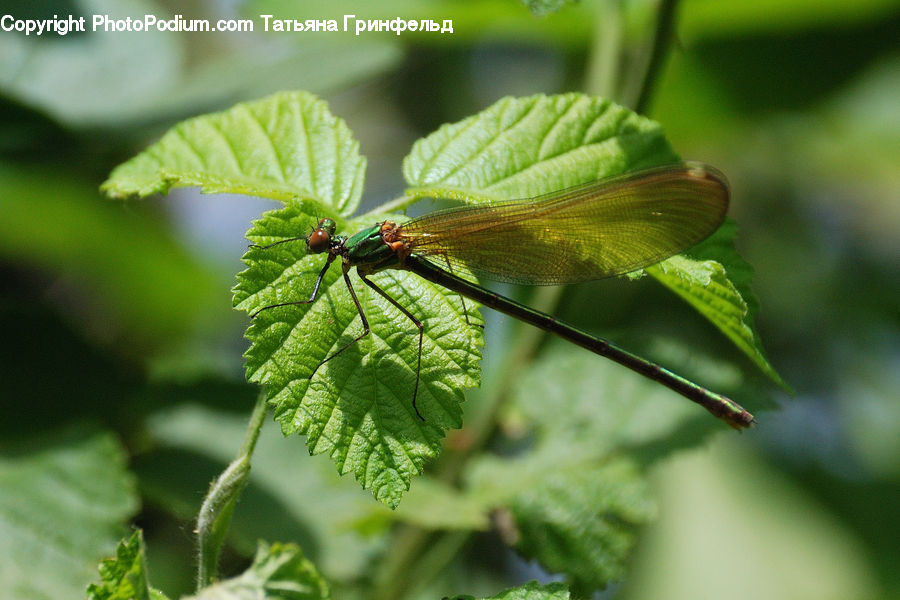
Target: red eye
[{"x": 318, "y": 241}]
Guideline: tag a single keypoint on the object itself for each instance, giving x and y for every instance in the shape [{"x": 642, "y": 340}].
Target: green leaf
[
  {"x": 525, "y": 147},
  {"x": 530, "y": 591},
  {"x": 570, "y": 502},
  {"x": 125, "y": 576},
  {"x": 716, "y": 281},
  {"x": 358, "y": 406},
  {"x": 80, "y": 481},
  {"x": 279, "y": 572},
  {"x": 585, "y": 523},
  {"x": 287, "y": 146}
]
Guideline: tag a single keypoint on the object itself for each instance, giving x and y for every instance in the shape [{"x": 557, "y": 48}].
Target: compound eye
[{"x": 318, "y": 241}]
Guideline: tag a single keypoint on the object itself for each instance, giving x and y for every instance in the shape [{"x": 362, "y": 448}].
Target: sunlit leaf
[
  {"x": 358, "y": 407},
  {"x": 715, "y": 280},
  {"x": 525, "y": 147},
  {"x": 286, "y": 146}
]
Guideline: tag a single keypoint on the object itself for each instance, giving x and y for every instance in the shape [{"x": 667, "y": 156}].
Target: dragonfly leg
[
  {"x": 461, "y": 297},
  {"x": 312, "y": 297},
  {"x": 418, "y": 324},
  {"x": 362, "y": 316}
]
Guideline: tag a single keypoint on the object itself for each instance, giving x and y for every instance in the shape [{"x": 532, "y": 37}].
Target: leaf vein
[{"x": 267, "y": 139}]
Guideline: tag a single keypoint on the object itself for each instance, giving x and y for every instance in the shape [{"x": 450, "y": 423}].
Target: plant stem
[
  {"x": 638, "y": 92},
  {"x": 254, "y": 427},
  {"x": 215, "y": 514}
]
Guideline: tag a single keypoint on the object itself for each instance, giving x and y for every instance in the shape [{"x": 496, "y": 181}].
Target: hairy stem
[{"x": 215, "y": 514}]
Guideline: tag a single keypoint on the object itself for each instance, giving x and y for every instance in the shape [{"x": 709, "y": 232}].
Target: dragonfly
[{"x": 592, "y": 231}]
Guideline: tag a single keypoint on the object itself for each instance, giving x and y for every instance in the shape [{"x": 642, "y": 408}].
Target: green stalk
[
  {"x": 638, "y": 92},
  {"x": 215, "y": 514}
]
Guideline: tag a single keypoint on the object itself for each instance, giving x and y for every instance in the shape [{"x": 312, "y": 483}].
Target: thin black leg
[
  {"x": 312, "y": 298},
  {"x": 418, "y": 324},
  {"x": 362, "y": 316}
]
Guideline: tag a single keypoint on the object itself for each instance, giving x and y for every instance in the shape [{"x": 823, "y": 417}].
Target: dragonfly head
[{"x": 320, "y": 239}]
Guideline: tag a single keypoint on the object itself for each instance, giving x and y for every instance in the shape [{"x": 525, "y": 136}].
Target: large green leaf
[
  {"x": 524, "y": 147},
  {"x": 63, "y": 505},
  {"x": 286, "y": 146},
  {"x": 357, "y": 407},
  {"x": 573, "y": 503},
  {"x": 715, "y": 280}
]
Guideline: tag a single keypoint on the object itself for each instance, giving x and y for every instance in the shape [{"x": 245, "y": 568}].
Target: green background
[{"x": 117, "y": 317}]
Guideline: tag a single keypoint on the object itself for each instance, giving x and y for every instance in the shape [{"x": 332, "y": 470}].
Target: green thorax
[{"x": 367, "y": 249}]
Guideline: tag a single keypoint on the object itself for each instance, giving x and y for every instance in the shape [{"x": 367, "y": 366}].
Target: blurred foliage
[
  {"x": 72, "y": 493},
  {"x": 110, "y": 316}
]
